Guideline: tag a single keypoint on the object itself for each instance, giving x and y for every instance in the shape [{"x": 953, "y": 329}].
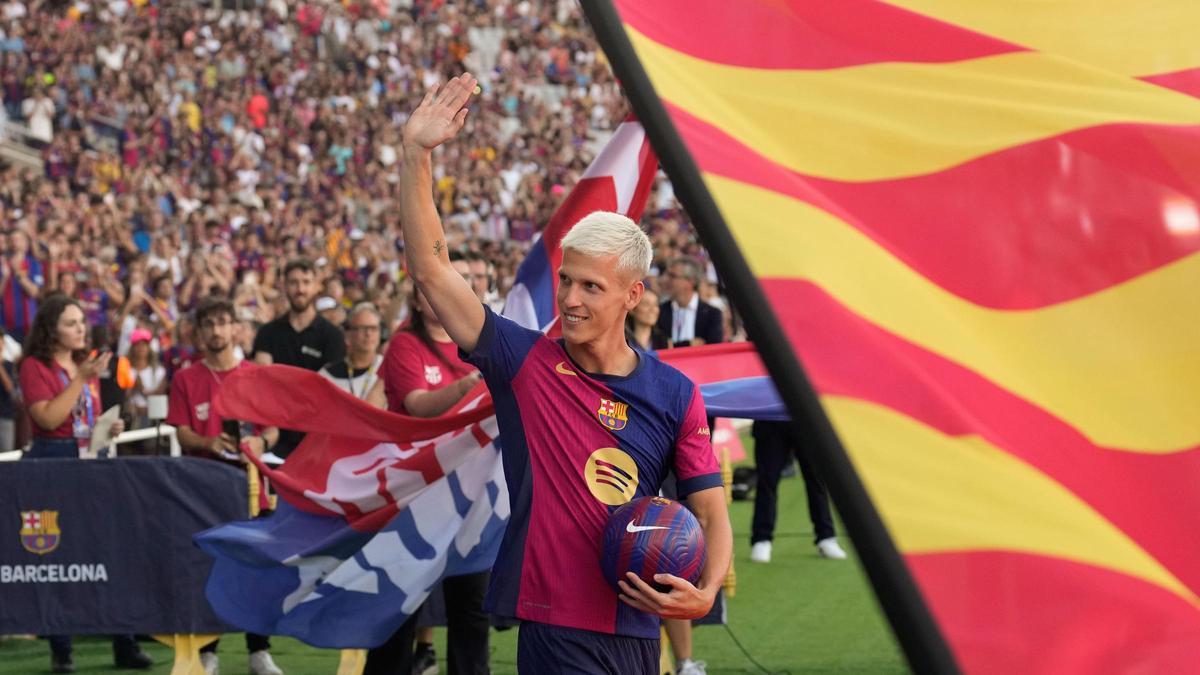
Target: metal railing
[{"x": 162, "y": 430}]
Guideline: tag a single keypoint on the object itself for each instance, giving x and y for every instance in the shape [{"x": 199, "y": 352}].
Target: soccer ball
[{"x": 652, "y": 535}]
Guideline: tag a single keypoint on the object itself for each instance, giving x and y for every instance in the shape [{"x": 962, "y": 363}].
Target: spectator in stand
[
  {"x": 300, "y": 338},
  {"x": 96, "y": 290},
  {"x": 331, "y": 310},
  {"x": 182, "y": 352},
  {"x": 59, "y": 382},
  {"x": 359, "y": 371},
  {"x": 149, "y": 377},
  {"x": 39, "y": 110},
  {"x": 163, "y": 310},
  {"x": 641, "y": 325},
  {"x": 20, "y": 284},
  {"x": 112, "y": 392},
  {"x": 685, "y": 318},
  {"x": 483, "y": 279},
  {"x": 201, "y": 432}
]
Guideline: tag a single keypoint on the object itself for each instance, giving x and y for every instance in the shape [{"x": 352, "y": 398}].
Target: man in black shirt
[{"x": 301, "y": 338}]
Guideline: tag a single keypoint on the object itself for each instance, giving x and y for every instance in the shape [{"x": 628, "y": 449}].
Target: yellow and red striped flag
[{"x": 975, "y": 224}]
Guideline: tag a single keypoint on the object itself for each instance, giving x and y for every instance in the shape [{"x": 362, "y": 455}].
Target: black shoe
[
  {"x": 425, "y": 660},
  {"x": 134, "y": 659},
  {"x": 61, "y": 664}
]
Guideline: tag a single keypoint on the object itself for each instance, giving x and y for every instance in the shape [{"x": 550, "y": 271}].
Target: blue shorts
[{"x": 557, "y": 650}]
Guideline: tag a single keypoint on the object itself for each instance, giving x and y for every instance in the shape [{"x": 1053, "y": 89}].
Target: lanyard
[
  {"x": 366, "y": 378},
  {"x": 84, "y": 404}
]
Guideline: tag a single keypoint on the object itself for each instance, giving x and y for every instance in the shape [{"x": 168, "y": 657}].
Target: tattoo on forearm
[{"x": 437, "y": 247}]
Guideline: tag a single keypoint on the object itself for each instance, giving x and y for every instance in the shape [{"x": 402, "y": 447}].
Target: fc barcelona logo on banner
[
  {"x": 39, "y": 531},
  {"x": 613, "y": 414}
]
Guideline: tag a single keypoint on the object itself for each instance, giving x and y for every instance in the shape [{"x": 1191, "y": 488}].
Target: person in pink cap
[{"x": 149, "y": 375}]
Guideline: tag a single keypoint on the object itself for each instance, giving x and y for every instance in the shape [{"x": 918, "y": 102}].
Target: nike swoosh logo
[
  {"x": 562, "y": 369},
  {"x": 642, "y": 528}
]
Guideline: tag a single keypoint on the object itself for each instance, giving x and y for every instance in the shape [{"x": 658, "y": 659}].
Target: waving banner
[{"x": 975, "y": 225}]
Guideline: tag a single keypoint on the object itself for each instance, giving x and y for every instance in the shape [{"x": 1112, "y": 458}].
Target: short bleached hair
[{"x": 604, "y": 233}]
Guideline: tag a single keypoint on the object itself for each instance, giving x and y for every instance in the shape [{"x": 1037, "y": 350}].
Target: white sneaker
[
  {"x": 760, "y": 552},
  {"x": 262, "y": 664},
  {"x": 828, "y": 548},
  {"x": 212, "y": 664},
  {"x": 690, "y": 667}
]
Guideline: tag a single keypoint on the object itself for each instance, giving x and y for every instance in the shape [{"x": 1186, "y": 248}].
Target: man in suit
[{"x": 684, "y": 318}]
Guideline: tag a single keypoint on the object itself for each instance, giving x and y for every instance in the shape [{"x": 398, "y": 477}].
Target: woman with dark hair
[
  {"x": 60, "y": 381},
  {"x": 62, "y": 394},
  {"x": 641, "y": 325},
  {"x": 422, "y": 376}
]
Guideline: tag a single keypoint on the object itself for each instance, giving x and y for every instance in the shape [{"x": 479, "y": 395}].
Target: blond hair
[{"x": 604, "y": 233}]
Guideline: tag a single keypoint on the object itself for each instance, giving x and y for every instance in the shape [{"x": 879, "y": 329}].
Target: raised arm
[{"x": 439, "y": 118}]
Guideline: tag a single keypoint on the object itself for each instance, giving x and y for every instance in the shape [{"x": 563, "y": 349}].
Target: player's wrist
[
  {"x": 415, "y": 152},
  {"x": 708, "y": 589}
]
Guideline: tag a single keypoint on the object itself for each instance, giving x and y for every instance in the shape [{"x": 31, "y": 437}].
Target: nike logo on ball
[{"x": 642, "y": 528}]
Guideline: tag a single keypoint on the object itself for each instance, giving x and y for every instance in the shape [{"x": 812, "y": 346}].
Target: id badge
[{"x": 81, "y": 430}]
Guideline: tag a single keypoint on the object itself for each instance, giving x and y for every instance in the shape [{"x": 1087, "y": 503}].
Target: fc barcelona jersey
[{"x": 575, "y": 447}]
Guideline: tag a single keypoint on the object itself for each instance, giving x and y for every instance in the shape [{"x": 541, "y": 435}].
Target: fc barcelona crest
[
  {"x": 613, "y": 414},
  {"x": 39, "y": 531}
]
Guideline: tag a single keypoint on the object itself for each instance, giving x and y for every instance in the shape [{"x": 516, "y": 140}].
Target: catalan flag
[{"x": 975, "y": 224}]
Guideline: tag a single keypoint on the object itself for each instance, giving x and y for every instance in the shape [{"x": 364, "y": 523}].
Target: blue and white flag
[{"x": 372, "y": 515}]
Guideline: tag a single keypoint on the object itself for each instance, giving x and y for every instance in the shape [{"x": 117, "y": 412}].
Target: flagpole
[{"x": 913, "y": 625}]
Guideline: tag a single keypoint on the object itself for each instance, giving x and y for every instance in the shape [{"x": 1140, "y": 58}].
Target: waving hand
[{"x": 441, "y": 114}]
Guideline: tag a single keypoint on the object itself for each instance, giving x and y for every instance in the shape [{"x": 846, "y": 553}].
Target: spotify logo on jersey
[{"x": 611, "y": 476}]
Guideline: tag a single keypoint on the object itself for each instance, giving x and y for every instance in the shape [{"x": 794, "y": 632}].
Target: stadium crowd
[{"x": 189, "y": 151}]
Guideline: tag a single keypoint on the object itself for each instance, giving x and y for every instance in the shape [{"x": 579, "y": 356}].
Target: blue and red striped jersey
[{"x": 576, "y": 446}]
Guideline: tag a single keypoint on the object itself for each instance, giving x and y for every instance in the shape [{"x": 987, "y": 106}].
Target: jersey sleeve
[
  {"x": 502, "y": 347},
  {"x": 35, "y": 386},
  {"x": 696, "y": 465}
]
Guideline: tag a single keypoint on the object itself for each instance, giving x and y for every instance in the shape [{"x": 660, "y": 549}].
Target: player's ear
[{"x": 634, "y": 295}]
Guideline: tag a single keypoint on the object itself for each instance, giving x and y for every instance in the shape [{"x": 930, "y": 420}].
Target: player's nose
[{"x": 570, "y": 297}]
